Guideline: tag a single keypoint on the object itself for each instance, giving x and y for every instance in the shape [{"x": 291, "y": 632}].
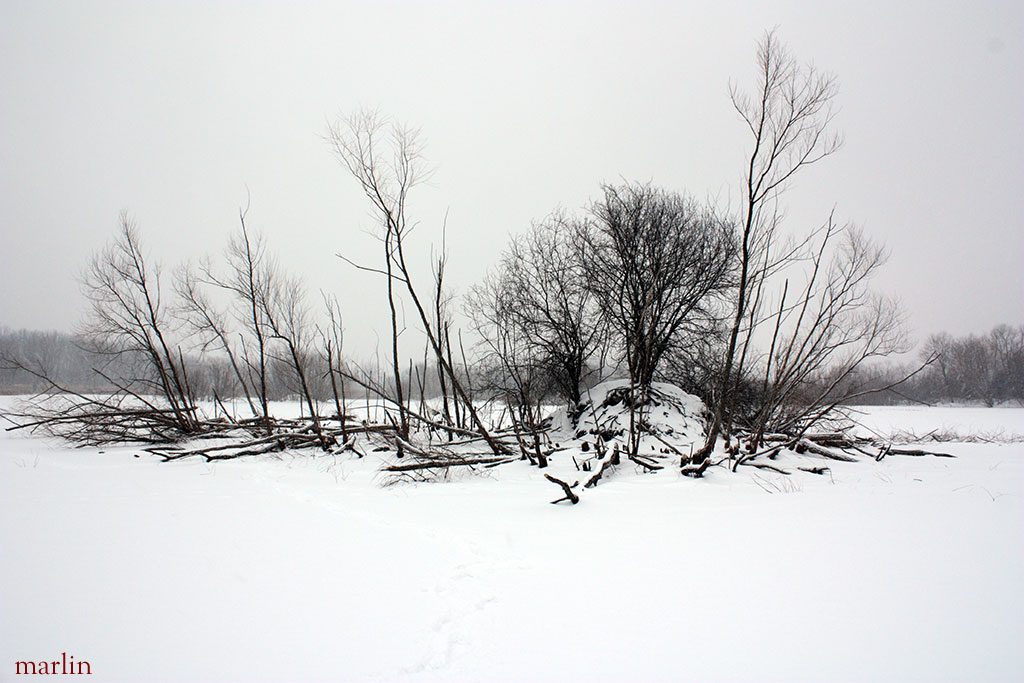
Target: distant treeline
[
  {"x": 51, "y": 352},
  {"x": 986, "y": 369},
  {"x": 66, "y": 359}
]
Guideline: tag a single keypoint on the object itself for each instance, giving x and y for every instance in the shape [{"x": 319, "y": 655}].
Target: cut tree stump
[{"x": 569, "y": 494}]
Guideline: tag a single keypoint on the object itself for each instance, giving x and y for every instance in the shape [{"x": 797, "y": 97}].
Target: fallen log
[
  {"x": 646, "y": 463},
  {"x": 454, "y": 462},
  {"x": 833, "y": 439},
  {"x": 177, "y": 453},
  {"x": 821, "y": 437},
  {"x": 688, "y": 469},
  {"x": 918, "y": 452},
  {"x": 824, "y": 452},
  {"x": 596, "y": 477},
  {"x": 766, "y": 466},
  {"x": 770, "y": 452},
  {"x": 259, "y": 450}
]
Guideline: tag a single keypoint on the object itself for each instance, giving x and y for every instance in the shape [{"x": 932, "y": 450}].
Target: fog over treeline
[
  {"x": 66, "y": 359},
  {"x": 987, "y": 368}
]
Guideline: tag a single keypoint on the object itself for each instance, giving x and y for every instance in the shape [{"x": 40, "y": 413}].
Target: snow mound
[{"x": 668, "y": 417}]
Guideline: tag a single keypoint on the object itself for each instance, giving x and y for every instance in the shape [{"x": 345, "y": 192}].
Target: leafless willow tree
[
  {"x": 128, "y": 319},
  {"x": 130, "y": 337},
  {"x": 246, "y": 257},
  {"x": 540, "y": 330},
  {"x": 273, "y": 317},
  {"x": 288, "y": 322},
  {"x": 788, "y": 116},
  {"x": 657, "y": 264},
  {"x": 212, "y": 329},
  {"x": 537, "y": 317},
  {"x": 386, "y": 160},
  {"x": 247, "y": 280},
  {"x": 513, "y": 368},
  {"x": 273, "y": 324},
  {"x": 332, "y": 336},
  {"x": 386, "y": 177},
  {"x": 452, "y": 412},
  {"x": 824, "y": 333},
  {"x": 820, "y": 333}
]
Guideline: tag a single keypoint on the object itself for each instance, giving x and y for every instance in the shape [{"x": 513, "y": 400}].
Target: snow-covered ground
[
  {"x": 306, "y": 568},
  {"x": 1001, "y": 423}
]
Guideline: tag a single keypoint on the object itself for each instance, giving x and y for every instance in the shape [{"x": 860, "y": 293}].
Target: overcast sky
[{"x": 172, "y": 110}]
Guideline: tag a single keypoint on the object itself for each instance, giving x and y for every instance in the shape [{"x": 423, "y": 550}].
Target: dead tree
[
  {"x": 331, "y": 341},
  {"x": 271, "y": 311},
  {"x": 442, "y": 319},
  {"x": 129, "y": 337}
]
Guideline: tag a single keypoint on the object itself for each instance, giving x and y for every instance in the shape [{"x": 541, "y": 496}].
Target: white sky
[{"x": 171, "y": 111}]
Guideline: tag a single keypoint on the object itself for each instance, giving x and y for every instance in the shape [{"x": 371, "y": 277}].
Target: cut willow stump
[{"x": 569, "y": 494}]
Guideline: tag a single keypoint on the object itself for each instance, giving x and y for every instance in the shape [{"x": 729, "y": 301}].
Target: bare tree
[
  {"x": 657, "y": 264},
  {"x": 283, "y": 307},
  {"x": 270, "y": 309},
  {"x": 128, "y": 320},
  {"x": 247, "y": 283},
  {"x": 939, "y": 345},
  {"x": 386, "y": 176},
  {"x": 828, "y": 331},
  {"x": 386, "y": 182},
  {"x": 788, "y": 117},
  {"x": 131, "y": 339},
  {"x": 332, "y": 337},
  {"x": 536, "y": 314},
  {"x": 210, "y": 326},
  {"x": 1008, "y": 353},
  {"x": 513, "y": 367}
]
